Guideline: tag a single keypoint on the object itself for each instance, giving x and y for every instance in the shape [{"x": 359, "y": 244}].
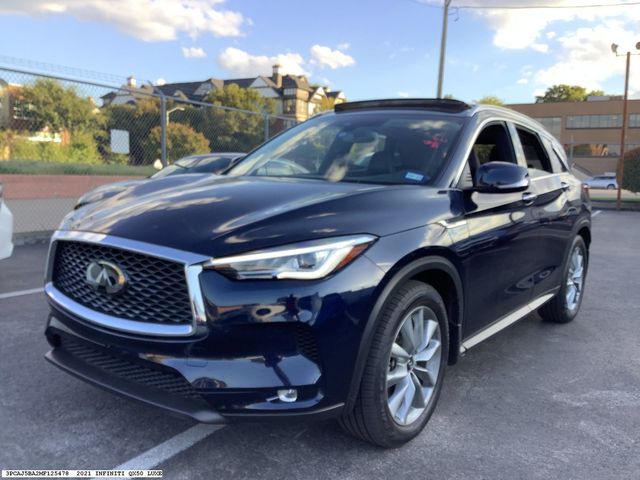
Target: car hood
[{"x": 219, "y": 216}]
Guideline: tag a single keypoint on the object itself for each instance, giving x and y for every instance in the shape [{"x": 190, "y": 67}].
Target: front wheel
[
  {"x": 405, "y": 368},
  {"x": 565, "y": 305},
  {"x": 611, "y": 187}
]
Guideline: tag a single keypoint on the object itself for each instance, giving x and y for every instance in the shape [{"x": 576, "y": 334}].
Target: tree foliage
[
  {"x": 490, "y": 100},
  {"x": 567, "y": 93},
  {"x": 631, "y": 178},
  {"x": 49, "y": 105},
  {"x": 182, "y": 140}
]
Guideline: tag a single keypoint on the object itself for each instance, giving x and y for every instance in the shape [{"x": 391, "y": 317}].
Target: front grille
[
  {"x": 306, "y": 343},
  {"x": 156, "y": 290},
  {"x": 162, "y": 380}
]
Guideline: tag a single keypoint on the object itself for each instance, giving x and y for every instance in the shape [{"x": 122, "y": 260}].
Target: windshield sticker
[{"x": 414, "y": 176}]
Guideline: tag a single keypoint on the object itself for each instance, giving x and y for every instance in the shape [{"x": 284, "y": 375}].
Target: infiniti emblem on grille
[{"x": 106, "y": 277}]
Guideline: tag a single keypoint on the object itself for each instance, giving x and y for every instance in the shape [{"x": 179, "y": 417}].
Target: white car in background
[
  {"x": 606, "y": 181},
  {"x": 6, "y": 229}
]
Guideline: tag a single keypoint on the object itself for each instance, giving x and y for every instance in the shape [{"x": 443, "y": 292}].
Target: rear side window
[{"x": 535, "y": 154}]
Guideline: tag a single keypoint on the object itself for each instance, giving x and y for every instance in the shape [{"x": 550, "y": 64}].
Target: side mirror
[{"x": 501, "y": 177}]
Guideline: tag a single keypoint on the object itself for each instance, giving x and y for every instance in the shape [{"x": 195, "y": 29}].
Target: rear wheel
[
  {"x": 565, "y": 305},
  {"x": 404, "y": 370},
  {"x": 611, "y": 187}
]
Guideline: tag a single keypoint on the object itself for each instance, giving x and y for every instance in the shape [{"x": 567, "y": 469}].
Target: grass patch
[{"x": 32, "y": 167}]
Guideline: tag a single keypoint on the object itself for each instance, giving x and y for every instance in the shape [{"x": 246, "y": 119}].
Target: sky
[{"x": 367, "y": 48}]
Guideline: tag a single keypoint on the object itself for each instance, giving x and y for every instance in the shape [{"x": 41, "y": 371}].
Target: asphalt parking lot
[{"x": 536, "y": 401}]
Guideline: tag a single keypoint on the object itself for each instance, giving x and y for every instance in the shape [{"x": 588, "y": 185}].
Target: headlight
[{"x": 303, "y": 261}]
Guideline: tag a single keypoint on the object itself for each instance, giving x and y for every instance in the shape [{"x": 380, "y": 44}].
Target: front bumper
[
  {"x": 256, "y": 338},
  {"x": 6, "y": 231}
]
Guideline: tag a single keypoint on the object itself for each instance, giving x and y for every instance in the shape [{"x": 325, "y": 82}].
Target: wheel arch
[{"x": 435, "y": 267}]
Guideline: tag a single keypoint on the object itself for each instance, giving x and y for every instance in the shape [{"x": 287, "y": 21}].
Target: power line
[{"x": 527, "y": 7}]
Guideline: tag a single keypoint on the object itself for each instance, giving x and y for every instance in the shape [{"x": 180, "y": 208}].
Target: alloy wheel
[
  {"x": 414, "y": 365},
  {"x": 575, "y": 278}
]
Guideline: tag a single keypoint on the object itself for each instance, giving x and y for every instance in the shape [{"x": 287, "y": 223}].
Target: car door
[
  {"x": 550, "y": 208},
  {"x": 501, "y": 233}
]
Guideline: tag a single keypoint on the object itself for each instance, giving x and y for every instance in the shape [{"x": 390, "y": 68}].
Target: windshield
[
  {"x": 180, "y": 166},
  {"x": 374, "y": 147}
]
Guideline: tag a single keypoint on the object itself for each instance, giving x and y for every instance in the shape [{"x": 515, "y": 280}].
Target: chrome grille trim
[{"x": 192, "y": 264}]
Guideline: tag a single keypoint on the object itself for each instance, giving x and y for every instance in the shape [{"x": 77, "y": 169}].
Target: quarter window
[{"x": 534, "y": 153}]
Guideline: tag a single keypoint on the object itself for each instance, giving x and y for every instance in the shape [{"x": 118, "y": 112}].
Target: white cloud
[
  {"x": 522, "y": 81},
  {"x": 325, "y": 57},
  {"x": 540, "y": 47},
  {"x": 149, "y": 20},
  {"x": 516, "y": 29},
  {"x": 344, "y": 46},
  {"x": 160, "y": 81},
  {"x": 403, "y": 94},
  {"x": 586, "y": 59},
  {"x": 193, "y": 52},
  {"x": 243, "y": 63},
  {"x": 475, "y": 68}
]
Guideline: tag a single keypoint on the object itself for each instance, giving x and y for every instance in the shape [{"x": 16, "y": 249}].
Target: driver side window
[{"x": 492, "y": 144}]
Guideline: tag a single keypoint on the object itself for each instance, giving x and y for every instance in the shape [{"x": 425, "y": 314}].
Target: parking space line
[
  {"x": 169, "y": 448},
  {"x": 20, "y": 293},
  {"x": 597, "y": 212}
]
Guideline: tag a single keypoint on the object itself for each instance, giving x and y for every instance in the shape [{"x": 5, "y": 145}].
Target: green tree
[
  {"x": 48, "y": 104},
  {"x": 631, "y": 179},
  {"x": 567, "y": 93},
  {"x": 327, "y": 103},
  {"x": 229, "y": 130},
  {"x": 138, "y": 120},
  {"x": 182, "y": 140},
  {"x": 490, "y": 100}
]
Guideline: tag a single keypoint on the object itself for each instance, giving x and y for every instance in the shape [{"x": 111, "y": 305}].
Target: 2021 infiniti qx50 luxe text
[{"x": 334, "y": 271}]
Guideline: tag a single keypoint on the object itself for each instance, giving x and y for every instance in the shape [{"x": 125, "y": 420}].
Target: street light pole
[
  {"x": 443, "y": 45},
  {"x": 169, "y": 112},
  {"x": 623, "y": 134}
]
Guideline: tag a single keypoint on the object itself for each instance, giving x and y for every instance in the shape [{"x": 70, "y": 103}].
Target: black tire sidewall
[{"x": 417, "y": 295}]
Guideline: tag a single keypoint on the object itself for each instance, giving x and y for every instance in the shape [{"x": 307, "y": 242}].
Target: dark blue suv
[{"x": 335, "y": 271}]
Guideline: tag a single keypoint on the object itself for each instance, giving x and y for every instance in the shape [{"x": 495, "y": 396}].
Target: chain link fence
[{"x": 60, "y": 137}]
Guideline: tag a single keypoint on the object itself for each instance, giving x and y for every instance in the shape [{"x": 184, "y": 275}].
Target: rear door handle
[{"x": 529, "y": 197}]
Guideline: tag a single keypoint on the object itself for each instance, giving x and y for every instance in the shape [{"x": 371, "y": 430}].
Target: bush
[
  {"x": 631, "y": 179},
  {"x": 182, "y": 140},
  {"x": 82, "y": 148}
]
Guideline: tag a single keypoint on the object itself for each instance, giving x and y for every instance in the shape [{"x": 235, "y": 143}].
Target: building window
[
  {"x": 634, "y": 120},
  {"x": 594, "y": 121},
  {"x": 598, "y": 149},
  {"x": 552, "y": 124}
]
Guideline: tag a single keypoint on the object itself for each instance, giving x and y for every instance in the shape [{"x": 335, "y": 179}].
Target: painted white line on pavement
[
  {"x": 21, "y": 293},
  {"x": 597, "y": 212},
  {"x": 164, "y": 451}
]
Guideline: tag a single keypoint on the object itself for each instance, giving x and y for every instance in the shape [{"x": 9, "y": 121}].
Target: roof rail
[{"x": 437, "y": 104}]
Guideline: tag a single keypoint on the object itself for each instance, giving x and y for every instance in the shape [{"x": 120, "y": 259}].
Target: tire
[
  {"x": 559, "y": 309},
  {"x": 371, "y": 418},
  {"x": 611, "y": 187}
]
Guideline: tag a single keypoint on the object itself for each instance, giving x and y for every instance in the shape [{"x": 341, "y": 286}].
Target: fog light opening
[{"x": 288, "y": 395}]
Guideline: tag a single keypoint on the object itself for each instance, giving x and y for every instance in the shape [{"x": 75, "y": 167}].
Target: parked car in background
[
  {"x": 334, "y": 271},
  {"x": 214, "y": 163},
  {"x": 607, "y": 181},
  {"x": 6, "y": 228}
]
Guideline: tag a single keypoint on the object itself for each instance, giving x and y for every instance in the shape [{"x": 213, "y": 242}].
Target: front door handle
[
  {"x": 529, "y": 197},
  {"x": 565, "y": 186}
]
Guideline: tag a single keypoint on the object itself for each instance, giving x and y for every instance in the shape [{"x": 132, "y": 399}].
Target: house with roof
[{"x": 295, "y": 97}]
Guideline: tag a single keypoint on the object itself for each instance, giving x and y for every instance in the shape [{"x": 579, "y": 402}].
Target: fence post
[
  {"x": 266, "y": 127},
  {"x": 163, "y": 129}
]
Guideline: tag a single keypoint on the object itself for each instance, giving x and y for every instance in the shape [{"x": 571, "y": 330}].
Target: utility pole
[
  {"x": 623, "y": 134},
  {"x": 443, "y": 45}
]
